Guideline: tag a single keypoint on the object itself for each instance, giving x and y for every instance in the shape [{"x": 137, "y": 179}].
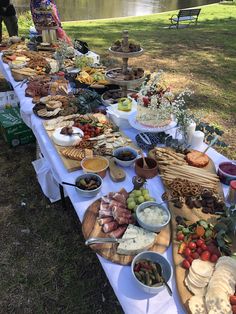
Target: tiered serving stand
[{"x": 125, "y": 55}]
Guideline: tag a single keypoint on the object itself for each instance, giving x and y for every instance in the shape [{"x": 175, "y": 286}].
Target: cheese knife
[{"x": 91, "y": 241}]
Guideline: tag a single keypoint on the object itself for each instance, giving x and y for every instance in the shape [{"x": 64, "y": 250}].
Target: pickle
[{"x": 138, "y": 276}]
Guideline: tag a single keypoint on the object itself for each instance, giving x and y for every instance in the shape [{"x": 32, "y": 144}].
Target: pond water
[{"x": 73, "y": 10}]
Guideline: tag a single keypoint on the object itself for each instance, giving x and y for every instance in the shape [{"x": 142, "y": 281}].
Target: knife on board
[{"x": 91, "y": 241}]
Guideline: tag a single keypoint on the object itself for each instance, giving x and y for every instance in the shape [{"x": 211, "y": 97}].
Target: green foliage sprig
[{"x": 210, "y": 132}]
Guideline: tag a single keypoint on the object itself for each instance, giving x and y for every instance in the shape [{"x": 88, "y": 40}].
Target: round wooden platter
[{"x": 91, "y": 228}]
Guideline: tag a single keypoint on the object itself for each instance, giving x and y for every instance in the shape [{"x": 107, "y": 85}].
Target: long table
[{"x": 132, "y": 300}]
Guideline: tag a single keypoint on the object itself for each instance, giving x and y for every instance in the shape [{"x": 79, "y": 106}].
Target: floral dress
[{"x": 45, "y": 14}]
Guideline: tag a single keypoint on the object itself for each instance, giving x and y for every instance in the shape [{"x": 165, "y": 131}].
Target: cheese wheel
[{"x": 67, "y": 140}]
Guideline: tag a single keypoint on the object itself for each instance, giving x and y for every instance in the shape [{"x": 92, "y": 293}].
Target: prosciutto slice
[
  {"x": 110, "y": 226},
  {"x": 118, "y": 233}
]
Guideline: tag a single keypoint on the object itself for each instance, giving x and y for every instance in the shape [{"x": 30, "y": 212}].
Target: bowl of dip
[
  {"x": 95, "y": 164},
  {"x": 152, "y": 216},
  {"x": 227, "y": 171}
]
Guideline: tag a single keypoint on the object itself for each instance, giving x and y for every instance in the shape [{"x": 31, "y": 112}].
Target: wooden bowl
[{"x": 149, "y": 173}]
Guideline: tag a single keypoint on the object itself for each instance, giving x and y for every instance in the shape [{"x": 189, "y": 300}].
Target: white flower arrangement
[{"x": 157, "y": 96}]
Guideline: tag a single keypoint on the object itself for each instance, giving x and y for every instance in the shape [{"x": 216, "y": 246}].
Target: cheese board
[
  {"x": 174, "y": 165},
  {"x": 103, "y": 144},
  {"x": 92, "y": 229}
]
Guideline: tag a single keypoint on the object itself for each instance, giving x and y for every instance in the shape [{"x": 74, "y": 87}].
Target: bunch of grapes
[{"x": 137, "y": 197}]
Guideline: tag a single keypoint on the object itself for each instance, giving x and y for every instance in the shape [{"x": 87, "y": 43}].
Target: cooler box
[{"x": 13, "y": 129}]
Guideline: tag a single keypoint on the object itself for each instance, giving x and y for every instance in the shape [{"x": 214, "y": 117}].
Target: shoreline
[{"x": 137, "y": 16}]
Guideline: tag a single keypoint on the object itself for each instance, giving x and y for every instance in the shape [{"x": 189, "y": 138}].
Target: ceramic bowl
[
  {"x": 166, "y": 270},
  {"x": 95, "y": 164},
  {"x": 125, "y": 163},
  {"x": 227, "y": 171},
  {"x": 149, "y": 173},
  {"x": 151, "y": 227},
  {"x": 89, "y": 193}
]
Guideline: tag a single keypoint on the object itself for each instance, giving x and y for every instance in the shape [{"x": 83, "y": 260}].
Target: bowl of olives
[
  {"x": 88, "y": 185},
  {"x": 125, "y": 156}
]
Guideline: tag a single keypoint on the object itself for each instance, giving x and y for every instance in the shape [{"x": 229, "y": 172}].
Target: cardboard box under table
[{"x": 13, "y": 129}]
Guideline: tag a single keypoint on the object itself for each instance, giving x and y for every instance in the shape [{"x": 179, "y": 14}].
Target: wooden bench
[{"x": 187, "y": 15}]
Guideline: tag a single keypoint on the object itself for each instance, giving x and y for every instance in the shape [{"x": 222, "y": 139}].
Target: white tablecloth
[{"x": 132, "y": 300}]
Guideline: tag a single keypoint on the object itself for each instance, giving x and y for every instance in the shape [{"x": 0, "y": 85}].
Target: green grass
[
  {"x": 44, "y": 264},
  {"x": 201, "y": 58}
]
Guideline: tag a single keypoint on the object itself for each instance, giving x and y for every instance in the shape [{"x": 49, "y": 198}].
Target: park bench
[{"x": 187, "y": 15}]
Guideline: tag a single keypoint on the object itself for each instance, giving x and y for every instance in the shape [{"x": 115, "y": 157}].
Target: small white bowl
[
  {"x": 156, "y": 258},
  {"x": 125, "y": 163},
  {"x": 151, "y": 227}
]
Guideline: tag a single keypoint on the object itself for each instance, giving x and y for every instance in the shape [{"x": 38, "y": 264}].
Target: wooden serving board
[
  {"x": 91, "y": 229},
  {"x": 192, "y": 215},
  {"x": 70, "y": 164}
]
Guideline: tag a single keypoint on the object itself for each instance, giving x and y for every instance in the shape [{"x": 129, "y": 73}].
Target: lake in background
[{"x": 73, "y": 10}]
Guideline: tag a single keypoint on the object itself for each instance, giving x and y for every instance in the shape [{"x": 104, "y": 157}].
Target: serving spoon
[{"x": 160, "y": 272}]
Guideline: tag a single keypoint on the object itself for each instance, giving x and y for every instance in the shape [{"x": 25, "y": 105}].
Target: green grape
[
  {"x": 147, "y": 197},
  {"x": 140, "y": 199},
  {"x": 131, "y": 205},
  {"x": 152, "y": 199},
  {"x": 137, "y": 193},
  {"x": 130, "y": 199},
  {"x": 145, "y": 191}
]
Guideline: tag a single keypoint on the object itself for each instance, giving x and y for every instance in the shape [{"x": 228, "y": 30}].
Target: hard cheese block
[{"x": 137, "y": 241}]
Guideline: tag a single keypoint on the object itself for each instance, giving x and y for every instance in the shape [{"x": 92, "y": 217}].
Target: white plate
[{"x": 138, "y": 126}]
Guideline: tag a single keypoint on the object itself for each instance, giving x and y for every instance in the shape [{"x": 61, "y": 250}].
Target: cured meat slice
[
  {"x": 110, "y": 226},
  {"x": 125, "y": 220},
  {"x": 119, "y": 198},
  {"x": 105, "y": 220},
  {"x": 118, "y": 232}
]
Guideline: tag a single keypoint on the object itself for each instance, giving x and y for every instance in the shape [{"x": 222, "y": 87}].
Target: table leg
[{"x": 63, "y": 200}]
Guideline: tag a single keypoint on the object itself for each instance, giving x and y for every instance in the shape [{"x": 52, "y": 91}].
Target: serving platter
[
  {"x": 138, "y": 126},
  {"x": 91, "y": 229},
  {"x": 192, "y": 215}
]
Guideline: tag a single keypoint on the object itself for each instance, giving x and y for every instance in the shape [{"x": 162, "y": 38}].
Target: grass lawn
[{"x": 44, "y": 265}]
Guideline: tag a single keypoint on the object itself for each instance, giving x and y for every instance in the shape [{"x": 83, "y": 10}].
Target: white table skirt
[{"x": 132, "y": 300}]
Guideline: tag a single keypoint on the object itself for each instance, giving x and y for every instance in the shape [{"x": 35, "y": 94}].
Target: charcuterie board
[
  {"x": 190, "y": 215},
  {"x": 91, "y": 228}
]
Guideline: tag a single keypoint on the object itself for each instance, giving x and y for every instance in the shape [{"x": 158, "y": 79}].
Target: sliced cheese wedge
[
  {"x": 197, "y": 305},
  {"x": 138, "y": 240}
]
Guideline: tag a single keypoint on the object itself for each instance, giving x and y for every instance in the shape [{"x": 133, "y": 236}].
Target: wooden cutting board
[
  {"x": 192, "y": 215},
  {"x": 70, "y": 164},
  {"x": 91, "y": 229}
]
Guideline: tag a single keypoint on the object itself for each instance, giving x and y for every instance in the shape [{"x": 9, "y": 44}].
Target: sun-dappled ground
[{"x": 44, "y": 264}]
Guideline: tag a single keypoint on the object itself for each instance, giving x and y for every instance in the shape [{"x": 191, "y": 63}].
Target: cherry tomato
[
  {"x": 189, "y": 259},
  {"x": 192, "y": 245},
  {"x": 199, "y": 242},
  {"x": 213, "y": 250},
  {"x": 214, "y": 258},
  {"x": 234, "y": 309},
  {"x": 232, "y": 299},
  {"x": 186, "y": 264},
  {"x": 204, "y": 247},
  {"x": 199, "y": 250},
  {"x": 195, "y": 255},
  {"x": 205, "y": 256},
  {"x": 187, "y": 252},
  {"x": 180, "y": 236}
]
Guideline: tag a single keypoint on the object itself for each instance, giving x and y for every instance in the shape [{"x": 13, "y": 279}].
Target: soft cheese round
[{"x": 67, "y": 140}]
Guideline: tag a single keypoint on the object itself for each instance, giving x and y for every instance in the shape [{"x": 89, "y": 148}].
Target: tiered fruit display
[{"x": 137, "y": 197}]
